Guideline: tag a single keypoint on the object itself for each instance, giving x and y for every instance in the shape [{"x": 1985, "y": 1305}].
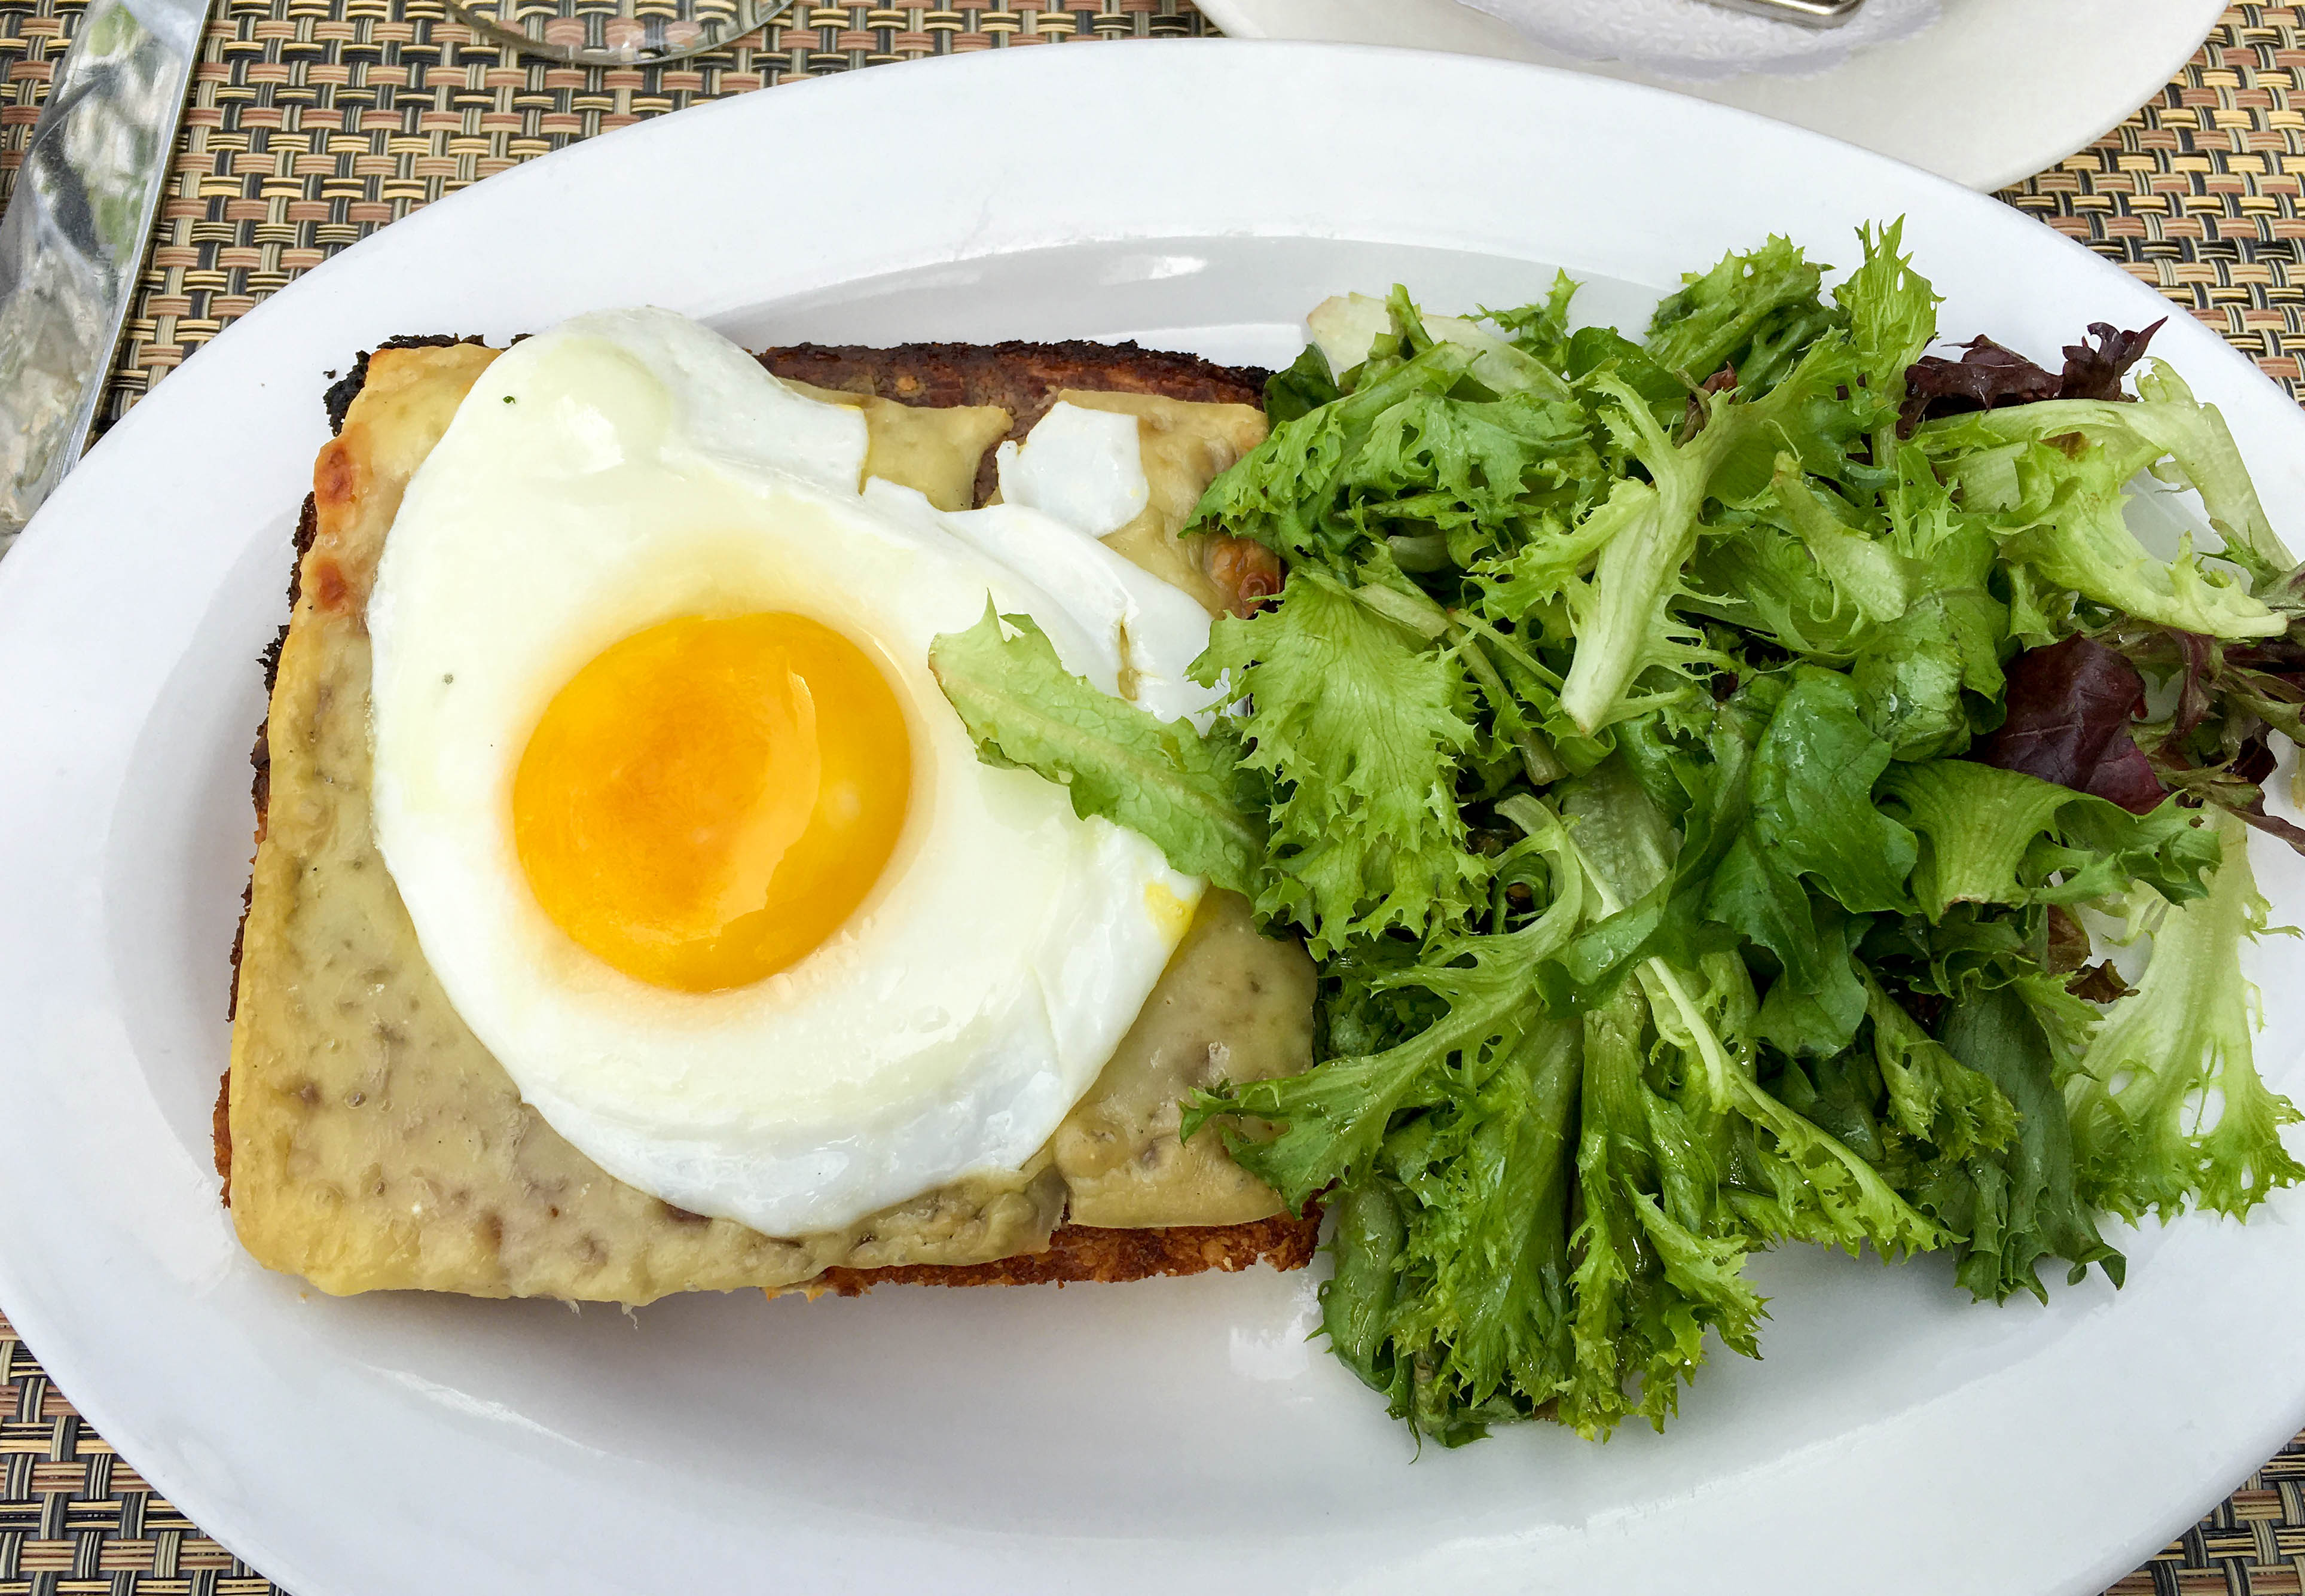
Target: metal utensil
[
  {"x": 1808, "y": 13},
  {"x": 74, "y": 233},
  {"x": 616, "y": 32}
]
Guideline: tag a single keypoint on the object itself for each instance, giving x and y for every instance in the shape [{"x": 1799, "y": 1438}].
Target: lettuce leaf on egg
[{"x": 1158, "y": 778}]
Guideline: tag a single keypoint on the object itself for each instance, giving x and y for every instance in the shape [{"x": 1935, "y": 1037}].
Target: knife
[{"x": 74, "y": 233}]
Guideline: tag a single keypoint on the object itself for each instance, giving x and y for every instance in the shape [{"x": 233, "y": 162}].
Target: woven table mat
[{"x": 315, "y": 122}]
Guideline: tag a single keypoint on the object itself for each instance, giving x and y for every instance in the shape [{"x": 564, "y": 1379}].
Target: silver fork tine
[{"x": 1808, "y": 13}]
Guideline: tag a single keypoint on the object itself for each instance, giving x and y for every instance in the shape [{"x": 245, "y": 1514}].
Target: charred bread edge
[
  {"x": 1078, "y": 1253},
  {"x": 928, "y": 374},
  {"x": 1022, "y": 378}
]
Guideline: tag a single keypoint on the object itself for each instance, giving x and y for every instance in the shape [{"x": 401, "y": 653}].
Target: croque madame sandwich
[{"x": 633, "y": 914}]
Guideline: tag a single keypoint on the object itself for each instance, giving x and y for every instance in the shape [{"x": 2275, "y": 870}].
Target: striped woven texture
[
  {"x": 315, "y": 122},
  {"x": 312, "y": 122},
  {"x": 2202, "y": 194}
]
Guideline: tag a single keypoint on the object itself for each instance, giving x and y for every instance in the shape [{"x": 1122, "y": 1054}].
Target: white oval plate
[
  {"x": 1997, "y": 91},
  {"x": 1174, "y": 1435}
]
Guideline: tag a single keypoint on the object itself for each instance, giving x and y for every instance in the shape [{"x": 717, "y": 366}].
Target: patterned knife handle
[{"x": 74, "y": 233}]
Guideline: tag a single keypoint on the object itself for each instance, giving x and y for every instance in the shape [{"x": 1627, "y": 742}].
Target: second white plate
[{"x": 1998, "y": 91}]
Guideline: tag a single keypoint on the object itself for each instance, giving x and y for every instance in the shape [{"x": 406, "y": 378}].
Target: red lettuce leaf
[
  {"x": 1987, "y": 376},
  {"x": 2213, "y": 748},
  {"x": 2069, "y": 708},
  {"x": 2095, "y": 372},
  {"x": 2194, "y": 699},
  {"x": 2253, "y": 765},
  {"x": 2272, "y": 825},
  {"x": 2100, "y": 983}
]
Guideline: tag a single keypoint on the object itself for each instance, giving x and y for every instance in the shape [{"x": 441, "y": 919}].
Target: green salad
[{"x": 1710, "y": 771}]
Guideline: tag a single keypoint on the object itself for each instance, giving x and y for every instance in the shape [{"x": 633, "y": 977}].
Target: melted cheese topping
[{"x": 378, "y": 1145}]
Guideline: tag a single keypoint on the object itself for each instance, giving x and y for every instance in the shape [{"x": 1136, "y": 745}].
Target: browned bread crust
[
  {"x": 1077, "y": 1253},
  {"x": 260, "y": 757},
  {"x": 341, "y": 393},
  {"x": 1023, "y": 378}
]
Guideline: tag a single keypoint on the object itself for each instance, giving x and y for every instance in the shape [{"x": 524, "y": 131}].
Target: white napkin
[{"x": 1696, "y": 42}]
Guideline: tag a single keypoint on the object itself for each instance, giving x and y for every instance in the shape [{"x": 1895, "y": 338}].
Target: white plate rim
[{"x": 358, "y": 296}]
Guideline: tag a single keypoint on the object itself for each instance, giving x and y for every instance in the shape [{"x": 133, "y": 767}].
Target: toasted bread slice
[
  {"x": 1022, "y": 379},
  {"x": 1080, "y": 1252},
  {"x": 532, "y": 1215}
]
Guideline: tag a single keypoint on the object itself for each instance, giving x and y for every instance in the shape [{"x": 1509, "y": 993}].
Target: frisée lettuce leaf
[
  {"x": 1695, "y": 762},
  {"x": 1159, "y": 778}
]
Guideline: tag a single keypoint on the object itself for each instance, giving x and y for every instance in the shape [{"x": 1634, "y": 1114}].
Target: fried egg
[
  {"x": 688, "y": 833},
  {"x": 1081, "y": 466}
]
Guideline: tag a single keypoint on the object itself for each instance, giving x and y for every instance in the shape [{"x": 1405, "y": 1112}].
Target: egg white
[
  {"x": 631, "y": 467},
  {"x": 1081, "y": 466}
]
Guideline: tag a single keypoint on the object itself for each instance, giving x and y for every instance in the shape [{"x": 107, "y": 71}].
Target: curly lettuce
[{"x": 1691, "y": 757}]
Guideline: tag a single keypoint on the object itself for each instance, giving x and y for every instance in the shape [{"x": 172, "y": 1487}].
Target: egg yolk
[{"x": 711, "y": 798}]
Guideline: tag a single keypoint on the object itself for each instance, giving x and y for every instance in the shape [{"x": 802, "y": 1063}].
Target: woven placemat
[{"x": 314, "y": 122}]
